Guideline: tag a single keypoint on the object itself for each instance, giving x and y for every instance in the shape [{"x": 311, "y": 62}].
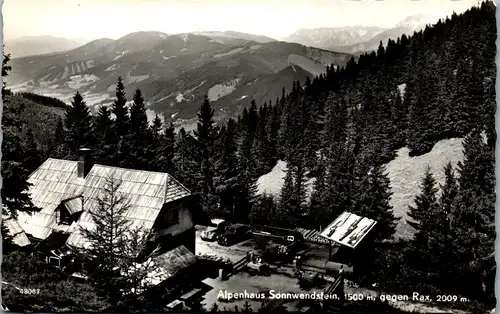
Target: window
[
  {"x": 172, "y": 216},
  {"x": 63, "y": 216}
]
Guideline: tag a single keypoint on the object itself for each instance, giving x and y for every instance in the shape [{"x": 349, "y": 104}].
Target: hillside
[
  {"x": 40, "y": 45},
  {"x": 41, "y": 119},
  {"x": 173, "y": 71},
  {"x": 404, "y": 172}
]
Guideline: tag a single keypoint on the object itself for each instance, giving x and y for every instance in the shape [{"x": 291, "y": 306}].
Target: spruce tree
[
  {"x": 318, "y": 214},
  {"x": 473, "y": 217},
  {"x": 15, "y": 187},
  {"x": 137, "y": 133},
  {"x": 78, "y": 126},
  {"x": 227, "y": 183},
  {"x": 422, "y": 214},
  {"x": 104, "y": 135},
  {"x": 120, "y": 110},
  {"x": 374, "y": 203},
  {"x": 206, "y": 135},
  {"x": 167, "y": 150},
  {"x": 5, "y": 71},
  {"x": 186, "y": 160},
  {"x": 441, "y": 243}
]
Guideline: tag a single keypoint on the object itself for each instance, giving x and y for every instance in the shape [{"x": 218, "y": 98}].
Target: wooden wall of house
[{"x": 185, "y": 221}]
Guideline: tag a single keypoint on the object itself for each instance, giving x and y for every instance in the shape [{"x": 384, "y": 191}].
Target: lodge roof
[
  {"x": 348, "y": 229},
  {"x": 17, "y": 233},
  {"x": 55, "y": 183}
]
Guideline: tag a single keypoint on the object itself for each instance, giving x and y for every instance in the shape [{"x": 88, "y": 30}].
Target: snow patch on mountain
[
  {"x": 229, "y": 53},
  {"x": 112, "y": 67},
  {"x": 179, "y": 97},
  {"x": 121, "y": 54},
  {"x": 220, "y": 90},
  {"x": 79, "y": 81},
  {"x": 137, "y": 78}
]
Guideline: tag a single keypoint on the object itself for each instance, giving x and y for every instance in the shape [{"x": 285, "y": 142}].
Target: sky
[{"x": 92, "y": 19}]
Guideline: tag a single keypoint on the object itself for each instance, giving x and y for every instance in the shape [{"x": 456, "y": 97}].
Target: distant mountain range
[
  {"x": 358, "y": 39},
  {"x": 175, "y": 71},
  {"x": 37, "y": 45}
]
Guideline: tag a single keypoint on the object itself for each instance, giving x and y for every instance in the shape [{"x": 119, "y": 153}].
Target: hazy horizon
[{"x": 93, "y": 19}]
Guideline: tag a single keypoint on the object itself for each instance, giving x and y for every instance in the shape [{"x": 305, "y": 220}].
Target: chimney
[{"x": 84, "y": 162}]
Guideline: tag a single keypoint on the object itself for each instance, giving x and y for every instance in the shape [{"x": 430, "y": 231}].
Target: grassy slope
[{"x": 404, "y": 172}]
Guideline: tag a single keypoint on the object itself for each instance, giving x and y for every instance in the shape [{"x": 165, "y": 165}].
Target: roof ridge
[{"x": 131, "y": 169}]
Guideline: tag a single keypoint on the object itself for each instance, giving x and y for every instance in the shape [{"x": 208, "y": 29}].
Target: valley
[{"x": 175, "y": 71}]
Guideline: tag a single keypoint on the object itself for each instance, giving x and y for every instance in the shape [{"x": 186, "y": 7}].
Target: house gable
[{"x": 65, "y": 199}]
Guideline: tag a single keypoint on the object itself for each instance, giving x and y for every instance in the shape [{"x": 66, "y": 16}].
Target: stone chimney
[{"x": 84, "y": 162}]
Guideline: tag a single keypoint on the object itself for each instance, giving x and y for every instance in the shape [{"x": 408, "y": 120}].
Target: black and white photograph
[{"x": 187, "y": 156}]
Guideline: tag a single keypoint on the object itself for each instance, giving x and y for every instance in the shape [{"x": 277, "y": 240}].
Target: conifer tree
[
  {"x": 227, "y": 182},
  {"x": 375, "y": 205},
  {"x": 206, "y": 136},
  {"x": 422, "y": 214},
  {"x": 441, "y": 243},
  {"x": 137, "y": 133},
  {"x": 186, "y": 160},
  {"x": 5, "y": 71},
  {"x": 15, "y": 187},
  {"x": 264, "y": 211},
  {"x": 287, "y": 202},
  {"x": 120, "y": 110},
  {"x": 104, "y": 135},
  {"x": 473, "y": 217},
  {"x": 78, "y": 126},
  {"x": 318, "y": 214}
]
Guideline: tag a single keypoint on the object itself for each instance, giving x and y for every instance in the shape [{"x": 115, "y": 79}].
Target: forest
[{"x": 339, "y": 128}]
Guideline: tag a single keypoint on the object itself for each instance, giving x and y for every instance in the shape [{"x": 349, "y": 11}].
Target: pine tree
[
  {"x": 78, "y": 126},
  {"x": 104, "y": 135},
  {"x": 227, "y": 182},
  {"x": 137, "y": 133},
  {"x": 165, "y": 151},
  {"x": 121, "y": 129},
  {"x": 5, "y": 71},
  {"x": 116, "y": 255},
  {"x": 264, "y": 211},
  {"x": 206, "y": 136},
  {"x": 374, "y": 203},
  {"x": 15, "y": 187},
  {"x": 186, "y": 160},
  {"x": 120, "y": 110},
  {"x": 441, "y": 244},
  {"x": 473, "y": 217},
  {"x": 422, "y": 214},
  {"x": 318, "y": 214}
]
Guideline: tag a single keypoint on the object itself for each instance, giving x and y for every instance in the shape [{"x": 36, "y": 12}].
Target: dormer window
[
  {"x": 69, "y": 209},
  {"x": 63, "y": 216}
]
